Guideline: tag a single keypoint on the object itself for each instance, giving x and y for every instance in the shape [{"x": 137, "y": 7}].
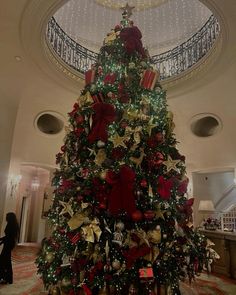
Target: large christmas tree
[{"x": 121, "y": 218}]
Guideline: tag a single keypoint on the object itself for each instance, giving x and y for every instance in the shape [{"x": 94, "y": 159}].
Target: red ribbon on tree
[
  {"x": 132, "y": 254},
  {"x": 164, "y": 187},
  {"x": 131, "y": 36},
  {"x": 86, "y": 290},
  {"x": 103, "y": 116},
  {"x": 121, "y": 197}
]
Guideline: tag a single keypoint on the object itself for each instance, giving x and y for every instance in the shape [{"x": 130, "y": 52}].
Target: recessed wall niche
[
  {"x": 49, "y": 123},
  {"x": 205, "y": 125}
]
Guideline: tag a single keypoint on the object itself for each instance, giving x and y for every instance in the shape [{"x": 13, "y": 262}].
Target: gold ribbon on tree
[
  {"x": 76, "y": 220},
  {"x": 85, "y": 99},
  {"x": 92, "y": 231}
]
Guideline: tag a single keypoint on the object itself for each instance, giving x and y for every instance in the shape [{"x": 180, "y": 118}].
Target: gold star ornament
[
  {"x": 118, "y": 140},
  {"x": 66, "y": 208},
  {"x": 171, "y": 164}
]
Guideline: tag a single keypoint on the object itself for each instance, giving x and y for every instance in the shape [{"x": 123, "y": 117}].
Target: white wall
[{"x": 210, "y": 186}]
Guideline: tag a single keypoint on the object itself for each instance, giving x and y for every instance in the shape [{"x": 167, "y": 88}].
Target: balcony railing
[{"x": 170, "y": 63}]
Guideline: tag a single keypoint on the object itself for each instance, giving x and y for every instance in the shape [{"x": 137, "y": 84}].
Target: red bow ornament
[
  {"x": 104, "y": 114},
  {"x": 164, "y": 187},
  {"x": 131, "y": 36},
  {"x": 121, "y": 197}
]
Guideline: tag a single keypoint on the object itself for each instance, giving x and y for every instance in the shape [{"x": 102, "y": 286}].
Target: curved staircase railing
[{"x": 169, "y": 63}]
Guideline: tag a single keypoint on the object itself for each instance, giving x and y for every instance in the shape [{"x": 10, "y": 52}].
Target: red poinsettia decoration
[{"x": 164, "y": 187}]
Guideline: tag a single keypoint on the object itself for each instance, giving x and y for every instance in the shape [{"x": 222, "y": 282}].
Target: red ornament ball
[
  {"x": 102, "y": 206},
  {"x": 80, "y": 198},
  {"x": 80, "y": 119},
  {"x": 123, "y": 124},
  {"x": 137, "y": 215},
  {"x": 149, "y": 214},
  {"x": 159, "y": 137},
  {"x": 143, "y": 183}
]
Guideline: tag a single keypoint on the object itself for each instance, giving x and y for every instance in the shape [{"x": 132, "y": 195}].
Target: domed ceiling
[{"x": 164, "y": 23}]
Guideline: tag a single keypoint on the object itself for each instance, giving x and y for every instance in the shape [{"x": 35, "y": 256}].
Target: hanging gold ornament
[
  {"x": 85, "y": 99},
  {"x": 103, "y": 174},
  {"x": 105, "y": 290},
  {"x": 154, "y": 236},
  {"x": 138, "y": 161},
  {"x": 145, "y": 103},
  {"x": 150, "y": 126},
  {"x": 171, "y": 124},
  {"x": 66, "y": 282},
  {"x": 49, "y": 257},
  {"x": 171, "y": 164},
  {"x": 54, "y": 291},
  {"x": 100, "y": 157},
  {"x": 135, "y": 132},
  {"x": 116, "y": 264}
]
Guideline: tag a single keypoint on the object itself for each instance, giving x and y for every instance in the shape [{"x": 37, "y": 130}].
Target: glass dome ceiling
[{"x": 164, "y": 23}]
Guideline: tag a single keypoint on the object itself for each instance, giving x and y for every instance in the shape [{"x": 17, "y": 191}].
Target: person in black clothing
[{"x": 9, "y": 242}]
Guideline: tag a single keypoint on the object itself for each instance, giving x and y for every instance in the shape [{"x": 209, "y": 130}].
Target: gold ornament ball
[
  {"x": 49, "y": 257},
  {"x": 116, "y": 264},
  {"x": 131, "y": 65},
  {"x": 103, "y": 174},
  {"x": 55, "y": 291},
  {"x": 120, "y": 226},
  {"x": 66, "y": 282},
  {"x": 103, "y": 291}
]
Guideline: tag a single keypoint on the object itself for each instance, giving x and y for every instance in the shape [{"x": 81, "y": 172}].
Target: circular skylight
[{"x": 164, "y": 23}]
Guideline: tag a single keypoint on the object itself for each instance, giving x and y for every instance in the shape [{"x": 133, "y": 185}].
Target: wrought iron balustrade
[{"x": 169, "y": 63}]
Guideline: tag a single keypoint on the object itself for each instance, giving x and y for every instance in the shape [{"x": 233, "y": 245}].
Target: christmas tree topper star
[{"x": 127, "y": 9}]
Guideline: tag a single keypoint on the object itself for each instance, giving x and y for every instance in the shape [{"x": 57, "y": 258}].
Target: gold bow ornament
[
  {"x": 92, "y": 231},
  {"x": 85, "y": 99}
]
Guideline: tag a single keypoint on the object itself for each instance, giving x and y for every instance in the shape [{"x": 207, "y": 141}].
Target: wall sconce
[
  {"x": 14, "y": 182},
  {"x": 35, "y": 184}
]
